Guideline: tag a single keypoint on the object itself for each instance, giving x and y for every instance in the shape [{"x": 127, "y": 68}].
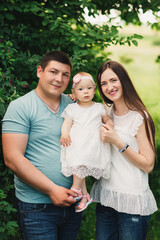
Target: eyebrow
[
  {"x": 58, "y": 70},
  {"x": 109, "y": 79}
]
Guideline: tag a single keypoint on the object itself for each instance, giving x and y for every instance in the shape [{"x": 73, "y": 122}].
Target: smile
[
  {"x": 55, "y": 86},
  {"x": 113, "y": 92}
]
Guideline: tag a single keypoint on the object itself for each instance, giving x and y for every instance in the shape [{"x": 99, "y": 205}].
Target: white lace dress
[
  {"x": 127, "y": 190},
  {"x": 87, "y": 155}
]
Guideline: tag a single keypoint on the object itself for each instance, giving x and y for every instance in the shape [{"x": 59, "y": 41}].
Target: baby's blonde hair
[{"x": 83, "y": 74}]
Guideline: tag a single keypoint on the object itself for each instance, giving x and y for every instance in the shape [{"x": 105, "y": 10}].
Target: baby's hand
[
  {"x": 110, "y": 122},
  {"x": 65, "y": 141},
  {"x": 107, "y": 120}
]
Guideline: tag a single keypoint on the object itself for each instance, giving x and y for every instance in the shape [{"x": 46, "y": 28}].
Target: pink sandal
[
  {"x": 82, "y": 206},
  {"x": 78, "y": 192}
]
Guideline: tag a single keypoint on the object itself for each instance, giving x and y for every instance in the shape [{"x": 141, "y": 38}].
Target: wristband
[{"x": 124, "y": 148}]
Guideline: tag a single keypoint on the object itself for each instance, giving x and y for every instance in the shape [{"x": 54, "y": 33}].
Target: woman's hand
[
  {"x": 109, "y": 135},
  {"x": 144, "y": 159}
]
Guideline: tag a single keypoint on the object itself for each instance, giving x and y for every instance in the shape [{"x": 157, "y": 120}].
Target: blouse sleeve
[{"x": 136, "y": 124}]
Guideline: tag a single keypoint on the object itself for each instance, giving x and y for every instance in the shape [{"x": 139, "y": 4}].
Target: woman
[{"x": 125, "y": 201}]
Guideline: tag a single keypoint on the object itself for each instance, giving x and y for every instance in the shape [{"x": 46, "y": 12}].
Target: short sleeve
[
  {"x": 15, "y": 119},
  {"x": 136, "y": 124},
  {"x": 68, "y": 112}
]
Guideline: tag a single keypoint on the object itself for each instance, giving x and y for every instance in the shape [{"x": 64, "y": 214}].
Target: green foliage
[
  {"x": 29, "y": 29},
  {"x": 158, "y": 59},
  {"x": 8, "y": 226},
  {"x": 88, "y": 226},
  {"x": 125, "y": 59},
  {"x": 154, "y": 231},
  {"x": 129, "y": 10}
]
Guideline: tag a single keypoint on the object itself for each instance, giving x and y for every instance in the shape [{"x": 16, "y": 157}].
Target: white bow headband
[{"x": 77, "y": 78}]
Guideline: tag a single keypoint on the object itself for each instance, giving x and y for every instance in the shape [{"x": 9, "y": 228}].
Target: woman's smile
[{"x": 113, "y": 92}]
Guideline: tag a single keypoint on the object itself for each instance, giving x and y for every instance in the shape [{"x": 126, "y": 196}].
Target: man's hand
[{"x": 62, "y": 197}]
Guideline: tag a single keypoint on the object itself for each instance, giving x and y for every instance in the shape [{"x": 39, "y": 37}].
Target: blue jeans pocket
[{"x": 31, "y": 207}]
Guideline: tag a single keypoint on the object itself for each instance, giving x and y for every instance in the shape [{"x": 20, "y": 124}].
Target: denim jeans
[
  {"x": 112, "y": 225},
  {"x": 47, "y": 222}
]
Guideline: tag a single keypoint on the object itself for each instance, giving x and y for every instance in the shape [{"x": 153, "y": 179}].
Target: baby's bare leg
[{"x": 77, "y": 182}]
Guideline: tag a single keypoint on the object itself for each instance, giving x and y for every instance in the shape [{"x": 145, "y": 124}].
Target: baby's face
[{"x": 84, "y": 90}]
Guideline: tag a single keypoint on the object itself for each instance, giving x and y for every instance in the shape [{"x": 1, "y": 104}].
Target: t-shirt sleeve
[{"x": 15, "y": 119}]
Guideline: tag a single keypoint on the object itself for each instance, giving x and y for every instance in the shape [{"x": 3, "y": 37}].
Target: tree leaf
[{"x": 135, "y": 42}]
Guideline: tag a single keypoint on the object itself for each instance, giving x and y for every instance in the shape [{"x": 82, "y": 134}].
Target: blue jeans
[
  {"x": 47, "y": 222},
  {"x": 113, "y": 225}
]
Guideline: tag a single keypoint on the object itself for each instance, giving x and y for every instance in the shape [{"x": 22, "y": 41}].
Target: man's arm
[{"x": 14, "y": 146}]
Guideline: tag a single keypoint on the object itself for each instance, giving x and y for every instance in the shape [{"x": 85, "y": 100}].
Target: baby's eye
[
  {"x": 80, "y": 89},
  {"x": 89, "y": 88}
]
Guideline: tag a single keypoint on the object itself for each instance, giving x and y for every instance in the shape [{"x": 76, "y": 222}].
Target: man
[{"x": 31, "y": 132}]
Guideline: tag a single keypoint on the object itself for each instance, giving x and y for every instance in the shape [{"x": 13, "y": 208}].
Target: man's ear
[{"x": 39, "y": 71}]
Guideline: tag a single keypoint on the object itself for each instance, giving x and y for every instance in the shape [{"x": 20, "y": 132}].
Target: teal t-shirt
[{"x": 29, "y": 115}]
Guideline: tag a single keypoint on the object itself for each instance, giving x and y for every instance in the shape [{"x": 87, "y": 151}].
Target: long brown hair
[{"x": 130, "y": 95}]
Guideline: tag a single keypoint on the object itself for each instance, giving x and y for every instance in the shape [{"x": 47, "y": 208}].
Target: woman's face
[{"x": 111, "y": 85}]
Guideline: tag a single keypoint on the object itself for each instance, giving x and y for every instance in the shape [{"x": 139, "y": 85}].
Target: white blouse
[{"x": 127, "y": 190}]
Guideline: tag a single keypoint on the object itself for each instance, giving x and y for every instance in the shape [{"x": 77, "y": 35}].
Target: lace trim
[
  {"x": 85, "y": 171},
  {"x": 132, "y": 204}
]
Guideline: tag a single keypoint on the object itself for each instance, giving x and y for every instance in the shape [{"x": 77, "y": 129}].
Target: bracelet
[{"x": 124, "y": 148}]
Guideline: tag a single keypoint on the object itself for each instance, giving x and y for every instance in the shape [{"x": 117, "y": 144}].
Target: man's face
[{"x": 53, "y": 80}]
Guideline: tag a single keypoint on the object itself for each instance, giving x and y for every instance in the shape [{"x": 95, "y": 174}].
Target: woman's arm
[{"x": 143, "y": 160}]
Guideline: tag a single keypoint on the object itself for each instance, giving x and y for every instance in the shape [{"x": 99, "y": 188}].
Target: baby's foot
[
  {"x": 83, "y": 204},
  {"x": 78, "y": 193}
]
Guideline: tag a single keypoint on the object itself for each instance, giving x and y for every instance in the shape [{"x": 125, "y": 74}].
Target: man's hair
[{"x": 58, "y": 56}]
